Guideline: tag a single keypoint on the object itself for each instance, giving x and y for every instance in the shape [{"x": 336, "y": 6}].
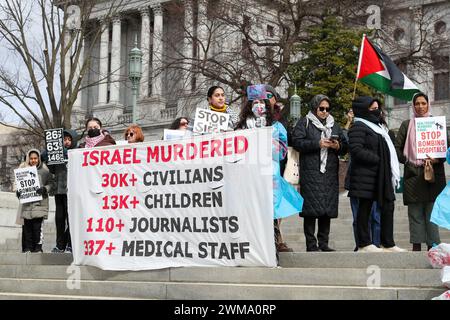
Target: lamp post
[
  {"x": 295, "y": 105},
  {"x": 135, "y": 73}
]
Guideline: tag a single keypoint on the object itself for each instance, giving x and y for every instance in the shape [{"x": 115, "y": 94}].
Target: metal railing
[{"x": 169, "y": 113}]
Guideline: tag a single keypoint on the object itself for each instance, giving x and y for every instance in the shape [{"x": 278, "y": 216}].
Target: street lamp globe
[
  {"x": 295, "y": 106},
  {"x": 135, "y": 72}
]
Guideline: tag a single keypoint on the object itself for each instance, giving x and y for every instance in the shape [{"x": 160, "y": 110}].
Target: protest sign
[
  {"x": 256, "y": 92},
  {"x": 431, "y": 137},
  {"x": 27, "y": 182},
  {"x": 54, "y": 144},
  {"x": 202, "y": 201},
  {"x": 174, "y": 134},
  {"x": 207, "y": 121}
]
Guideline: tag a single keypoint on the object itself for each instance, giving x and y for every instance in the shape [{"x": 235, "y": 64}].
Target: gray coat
[{"x": 38, "y": 209}]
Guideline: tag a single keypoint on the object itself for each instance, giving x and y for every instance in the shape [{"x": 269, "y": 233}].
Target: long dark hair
[
  {"x": 175, "y": 125},
  {"x": 247, "y": 112},
  {"x": 93, "y": 119},
  {"x": 212, "y": 89}
]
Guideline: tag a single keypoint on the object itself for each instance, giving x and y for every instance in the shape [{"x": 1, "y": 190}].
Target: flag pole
[{"x": 359, "y": 65}]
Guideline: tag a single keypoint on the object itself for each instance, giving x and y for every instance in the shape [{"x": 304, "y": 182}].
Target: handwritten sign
[
  {"x": 207, "y": 121},
  {"x": 431, "y": 137},
  {"x": 27, "y": 182}
]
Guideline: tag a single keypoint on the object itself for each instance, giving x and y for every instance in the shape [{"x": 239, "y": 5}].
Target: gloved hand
[
  {"x": 18, "y": 194},
  {"x": 42, "y": 191}
]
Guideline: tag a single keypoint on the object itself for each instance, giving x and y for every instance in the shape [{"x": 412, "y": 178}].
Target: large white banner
[{"x": 202, "y": 201}]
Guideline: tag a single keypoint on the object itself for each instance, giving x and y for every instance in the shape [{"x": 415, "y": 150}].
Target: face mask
[
  {"x": 376, "y": 113},
  {"x": 93, "y": 133},
  {"x": 259, "y": 109}
]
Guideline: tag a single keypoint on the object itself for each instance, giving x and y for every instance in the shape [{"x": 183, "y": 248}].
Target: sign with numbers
[
  {"x": 202, "y": 201},
  {"x": 27, "y": 182},
  {"x": 54, "y": 143}
]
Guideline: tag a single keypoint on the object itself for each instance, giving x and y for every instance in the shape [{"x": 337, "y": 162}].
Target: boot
[{"x": 417, "y": 247}]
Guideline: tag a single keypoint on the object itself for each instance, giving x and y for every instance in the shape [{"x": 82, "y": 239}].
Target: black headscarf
[{"x": 361, "y": 106}]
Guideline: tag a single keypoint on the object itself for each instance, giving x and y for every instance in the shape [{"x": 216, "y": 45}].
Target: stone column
[
  {"x": 103, "y": 72},
  {"x": 115, "y": 61},
  {"x": 145, "y": 47},
  {"x": 188, "y": 44},
  {"x": 157, "y": 50}
]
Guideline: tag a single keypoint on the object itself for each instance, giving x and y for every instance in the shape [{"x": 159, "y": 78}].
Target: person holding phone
[{"x": 320, "y": 141}]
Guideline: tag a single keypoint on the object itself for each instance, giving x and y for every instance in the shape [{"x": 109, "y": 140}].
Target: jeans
[{"x": 374, "y": 221}]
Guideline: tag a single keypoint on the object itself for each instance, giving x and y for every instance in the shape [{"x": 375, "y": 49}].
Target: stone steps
[{"x": 213, "y": 291}]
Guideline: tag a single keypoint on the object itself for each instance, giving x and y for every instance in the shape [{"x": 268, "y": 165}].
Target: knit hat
[{"x": 272, "y": 90}]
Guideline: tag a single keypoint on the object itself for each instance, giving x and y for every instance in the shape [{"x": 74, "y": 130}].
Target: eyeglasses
[
  {"x": 323, "y": 109},
  {"x": 269, "y": 95},
  {"x": 129, "y": 134},
  {"x": 184, "y": 123}
]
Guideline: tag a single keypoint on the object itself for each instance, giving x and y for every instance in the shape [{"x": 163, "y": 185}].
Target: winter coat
[
  {"x": 320, "y": 191},
  {"x": 365, "y": 161},
  {"x": 416, "y": 189},
  {"x": 60, "y": 170},
  {"x": 38, "y": 209}
]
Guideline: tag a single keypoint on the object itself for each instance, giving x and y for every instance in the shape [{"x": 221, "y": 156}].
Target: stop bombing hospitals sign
[
  {"x": 202, "y": 201},
  {"x": 431, "y": 137}
]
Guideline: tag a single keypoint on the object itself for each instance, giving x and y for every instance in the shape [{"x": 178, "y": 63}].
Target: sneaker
[
  {"x": 57, "y": 250},
  {"x": 68, "y": 250},
  {"x": 27, "y": 251},
  {"x": 370, "y": 248},
  {"x": 282, "y": 247},
  {"x": 394, "y": 249}
]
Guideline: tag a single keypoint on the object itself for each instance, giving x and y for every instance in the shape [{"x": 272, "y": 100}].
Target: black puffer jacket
[
  {"x": 319, "y": 190},
  {"x": 416, "y": 189},
  {"x": 364, "y": 152}
]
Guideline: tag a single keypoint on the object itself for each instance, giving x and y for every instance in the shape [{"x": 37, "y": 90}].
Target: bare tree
[
  {"x": 236, "y": 42},
  {"x": 46, "y": 67}
]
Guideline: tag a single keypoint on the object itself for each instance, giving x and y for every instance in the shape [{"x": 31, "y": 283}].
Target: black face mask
[
  {"x": 93, "y": 133},
  {"x": 376, "y": 113}
]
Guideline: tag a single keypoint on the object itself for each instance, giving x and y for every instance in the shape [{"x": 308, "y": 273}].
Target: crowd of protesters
[{"x": 372, "y": 177}]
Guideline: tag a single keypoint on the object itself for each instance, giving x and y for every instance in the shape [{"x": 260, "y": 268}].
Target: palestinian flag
[{"x": 378, "y": 71}]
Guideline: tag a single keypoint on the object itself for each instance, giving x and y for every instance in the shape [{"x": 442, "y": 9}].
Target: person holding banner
[
  {"x": 320, "y": 141},
  {"x": 63, "y": 243},
  {"x": 97, "y": 137},
  {"x": 133, "y": 134},
  {"x": 258, "y": 113},
  {"x": 419, "y": 195},
  {"x": 374, "y": 173},
  {"x": 216, "y": 100},
  {"x": 35, "y": 212}
]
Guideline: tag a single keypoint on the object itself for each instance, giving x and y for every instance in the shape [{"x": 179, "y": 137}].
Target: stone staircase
[{"x": 342, "y": 275}]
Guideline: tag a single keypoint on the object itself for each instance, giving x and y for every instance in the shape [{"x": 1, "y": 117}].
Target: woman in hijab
[
  {"x": 374, "y": 173},
  {"x": 320, "y": 141},
  {"x": 419, "y": 195}
]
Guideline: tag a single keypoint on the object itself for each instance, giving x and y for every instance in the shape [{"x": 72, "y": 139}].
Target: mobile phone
[{"x": 334, "y": 137}]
